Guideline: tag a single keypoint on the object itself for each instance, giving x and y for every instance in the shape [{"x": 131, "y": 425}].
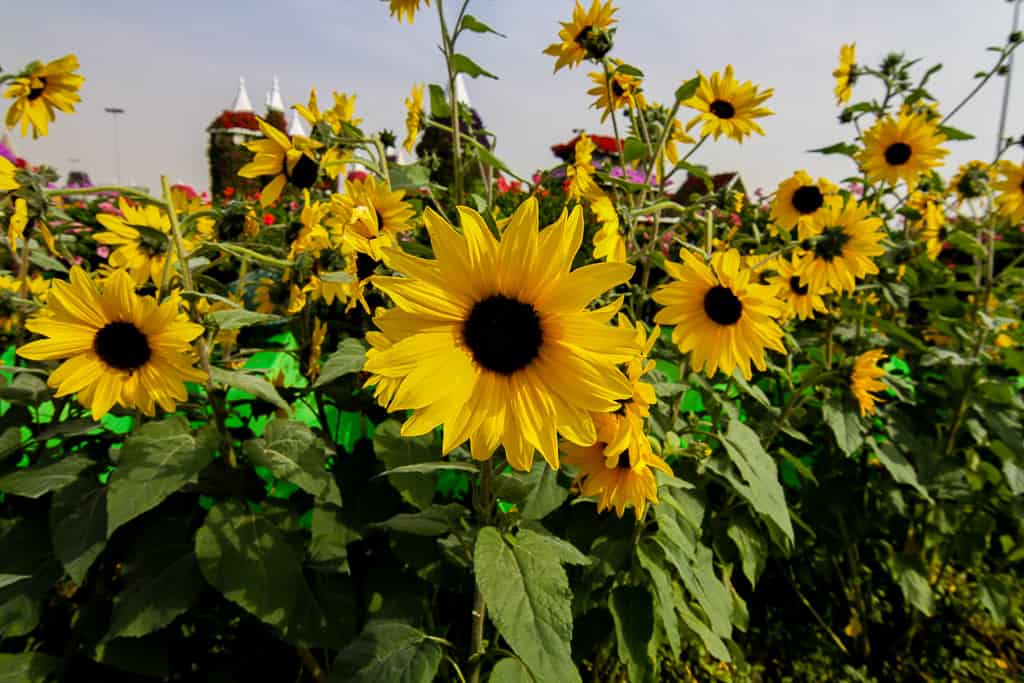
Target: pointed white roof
[
  {"x": 461, "y": 94},
  {"x": 242, "y": 102},
  {"x": 274, "y": 100},
  {"x": 295, "y": 126}
]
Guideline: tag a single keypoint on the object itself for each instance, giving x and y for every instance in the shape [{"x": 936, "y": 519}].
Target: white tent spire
[
  {"x": 461, "y": 94},
  {"x": 295, "y": 125},
  {"x": 242, "y": 102},
  {"x": 274, "y": 100}
]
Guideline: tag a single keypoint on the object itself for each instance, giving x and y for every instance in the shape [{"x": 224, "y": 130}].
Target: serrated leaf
[
  {"x": 433, "y": 521},
  {"x": 510, "y": 670},
  {"x": 254, "y": 385},
  {"x": 633, "y": 613},
  {"x": 237, "y": 318},
  {"x": 388, "y": 652},
  {"x": 293, "y": 453},
  {"x": 27, "y": 667},
  {"x": 34, "y": 482},
  {"x": 349, "y": 358},
  {"x": 471, "y": 23},
  {"x": 78, "y": 524},
  {"x": 843, "y": 417},
  {"x": 528, "y": 599},
  {"x": 687, "y": 89},
  {"x": 464, "y": 65},
  {"x": 396, "y": 451}
]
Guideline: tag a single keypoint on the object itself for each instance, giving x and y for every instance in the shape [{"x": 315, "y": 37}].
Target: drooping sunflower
[
  {"x": 722, "y": 318},
  {"x": 676, "y": 135},
  {"x": 618, "y": 91},
  {"x": 16, "y": 224},
  {"x": 972, "y": 180},
  {"x": 579, "y": 38},
  {"x": 865, "y": 379},
  {"x": 413, "y": 114},
  {"x": 581, "y": 171},
  {"x": 728, "y": 107},
  {"x": 844, "y": 237},
  {"x": 288, "y": 160},
  {"x": 41, "y": 89},
  {"x": 930, "y": 227},
  {"x": 901, "y": 148},
  {"x": 368, "y": 216},
  {"x": 142, "y": 240},
  {"x": 7, "y": 171},
  {"x": 846, "y": 73},
  {"x": 120, "y": 348},
  {"x": 492, "y": 338},
  {"x": 406, "y": 9},
  {"x": 801, "y": 301},
  {"x": 799, "y": 199},
  {"x": 623, "y": 478},
  {"x": 609, "y": 242},
  {"x": 1010, "y": 199},
  {"x": 629, "y": 432}
]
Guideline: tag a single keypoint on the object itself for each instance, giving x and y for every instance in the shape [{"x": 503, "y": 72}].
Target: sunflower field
[{"x": 434, "y": 421}]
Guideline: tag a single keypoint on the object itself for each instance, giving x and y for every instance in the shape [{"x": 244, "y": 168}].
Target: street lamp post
[
  {"x": 1006, "y": 84},
  {"x": 114, "y": 111}
]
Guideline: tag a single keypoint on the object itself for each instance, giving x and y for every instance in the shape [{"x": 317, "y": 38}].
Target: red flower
[
  {"x": 229, "y": 192},
  {"x": 268, "y": 219},
  {"x": 357, "y": 175}
]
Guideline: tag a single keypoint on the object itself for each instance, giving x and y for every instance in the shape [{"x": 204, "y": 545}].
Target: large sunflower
[
  {"x": 846, "y": 73},
  {"x": 368, "y": 216},
  {"x": 618, "y": 478},
  {"x": 618, "y": 91},
  {"x": 728, "y": 107},
  {"x": 39, "y": 91},
  {"x": 865, "y": 378},
  {"x": 1011, "y": 191},
  {"x": 577, "y": 37},
  {"x": 843, "y": 238},
  {"x": 142, "y": 241},
  {"x": 901, "y": 148},
  {"x": 7, "y": 171},
  {"x": 800, "y": 299},
  {"x": 492, "y": 338},
  {"x": 288, "y": 160},
  {"x": 721, "y": 317},
  {"x": 121, "y": 348},
  {"x": 799, "y": 199}
]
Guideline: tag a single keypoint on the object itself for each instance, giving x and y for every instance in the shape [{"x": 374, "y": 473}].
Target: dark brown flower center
[
  {"x": 617, "y": 89},
  {"x": 722, "y": 109},
  {"x": 897, "y": 154},
  {"x": 36, "y": 93},
  {"x": 122, "y": 345},
  {"x": 303, "y": 174},
  {"x": 808, "y": 199},
  {"x": 365, "y": 266},
  {"x": 503, "y": 334},
  {"x": 830, "y": 243},
  {"x": 380, "y": 219},
  {"x": 798, "y": 289},
  {"x": 722, "y": 305},
  {"x": 623, "y": 463}
]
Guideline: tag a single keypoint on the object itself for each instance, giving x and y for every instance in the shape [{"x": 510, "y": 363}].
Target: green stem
[
  {"x": 484, "y": 503},
  {"x": 448, "y": 47}
]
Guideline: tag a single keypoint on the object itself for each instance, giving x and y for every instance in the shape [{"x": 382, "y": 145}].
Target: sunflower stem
[
  {"x": 448, "y": 47},
  {"x": 484, "y": 503}
]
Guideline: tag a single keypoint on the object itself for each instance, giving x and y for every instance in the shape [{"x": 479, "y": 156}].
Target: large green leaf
[
  {"x": 398, "y": 451},
  {"x": 329, "y": 548},
  {"x": 652, "y": 559},
  {"x": 843, "y": 418},
  {"x": 388, "y": 652},
  {"x": 27, "y": 667},
  {"x": 349, "y": 358},
  {"x": 544, "y": 494},
  {"x": 78, "y": 524},
  {"x": 751, "y": 545},
  {"x": 253, "y": 385},
  {"x": 27, "y": 560},
  {"x": 295, "y": 454},
  {"x": 154, "y": 463},
  {"x": 432, "y": 521},
  {"x": 463, "y": 64},
  {"x": 33, "y": 482},
  {"x": 528, "y": 599},
  {"x": 237, "y": 318},
  {"x": 510, "y": 670},
  {"x": 899, "y": 467},
  {"x": 633, "y": 613},
  {"x": 909, "y": 573}
]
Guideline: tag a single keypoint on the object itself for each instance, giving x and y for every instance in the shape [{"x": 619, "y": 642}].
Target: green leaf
[
  {"x": 629, "y": 70},
  {"x": 955, "y": 134},
  {"x": 899, "y": 467},
  {"x": 751, "y": 546},
  {"x": 27, "y": 667},
  {"x": 528, "y": 599},
  {"x": 712, "y": 641},
  {"x": 635, "y": 149},
  {"x": 237, "y": 318},
  {"x": 843, "y": 418},
  {"x": 349, "y": 358},
  {"x": 253, "y": 385},
  {"x": 910, "y": 574},
  {"x": 633, "y": 612},
  {"x": 408, "y": 176},
  {"x": 433, "y": 521},
  {"x": 544, "y": 493},
  {"x": 471, "y": 23},
  {"x": 25, "y": 551},
  {"x": 439, "y": 102},
  {"x": 388, "y": 652},
  {"x": 331, "y": 536},
  {"x": 293, "y": 453},
  {"x": 10, "y": 443},
  {"x": 652, "y": 560},
  {"x": 510, "y": 670},
  {"x": 687, "y": 89},
  {"x": 430, "y": 468},
  {"x": 250, "y": 561},
  {"x": 398, "y": 451},
  {"x": 26, "y": 389},
  {"x": 155, "y": 462},
  {"x": 996, "y": 597},
  {"x": 78, "y": 524},
  {"x": 463, "y": 64},
  {"x": 843, "y": 148},
  {"x": 34, "y": 482}
]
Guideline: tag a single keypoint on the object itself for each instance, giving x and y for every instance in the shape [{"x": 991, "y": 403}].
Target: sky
[{"x": 174, "y": 66}]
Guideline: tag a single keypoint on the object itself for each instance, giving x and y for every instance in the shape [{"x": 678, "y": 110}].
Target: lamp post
[
  {"x": 1006, "y": 85},
  {"x": 114, "y": 111}
]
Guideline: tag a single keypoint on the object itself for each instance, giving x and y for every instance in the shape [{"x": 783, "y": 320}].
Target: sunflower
[
  {"x": 609, "y": 242},
  {"x": 901, "y": 148},
  {"x": 586, "y": 36},
  {"x": 843, "y": 238},
  {"x": 141, "y": 235},
  {"x": 846, "y": 73},
  {"x": 342, "y": 286},
  {"x": 272, "y": 295},
  {"x": 343, "y": 111},
  {"x": 865, "y": 378},
  {"x": 312, "y": 236},
  {"x": 16, "y": 224},
  {"x": 121, "y": 348},
  {"x": 799, "y": 199},
  {"x": 1011, "y": 191},
  {"x": 972, "y": 180},
  {"x": 581, "y": 171},
  {"x": 41, "y": 89},
  {"x": 7, "y": 171},
  {"x": 368, "y": 216},
  {"x": 492, "y": 338},
  {"x": 414, "y": 112},
  {"x": 624, "y": 478},
  {"x": 618, "y": 91},
  {"x": 629, "y": 433},
  {"x": 931, "y": 226},
  {"x": 286, "y": 159},
  {"x": 723, "y": 318},
  {"x": 406, "y": 9},
  {"x": 676, "y": 135},
  {"x": 316, "y": 348},
  {"x": 727, "y": 106},
  {"x": 800, "y": 299}
]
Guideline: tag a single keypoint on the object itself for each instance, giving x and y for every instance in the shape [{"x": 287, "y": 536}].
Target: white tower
[
  {"x": 242, "y": 102},
  {"x": 274, "y": 101}
]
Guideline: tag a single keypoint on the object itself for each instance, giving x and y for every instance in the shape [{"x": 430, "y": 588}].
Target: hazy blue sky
[{"x": 173, "y": 66}]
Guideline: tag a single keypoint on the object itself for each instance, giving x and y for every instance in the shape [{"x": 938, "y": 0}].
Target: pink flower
[{"x": 103, "y": 251}]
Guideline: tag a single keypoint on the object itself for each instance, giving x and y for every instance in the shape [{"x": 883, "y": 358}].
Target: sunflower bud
[
  {"x": 387, "y": 138},
  {"x": 597, "y": 42}
]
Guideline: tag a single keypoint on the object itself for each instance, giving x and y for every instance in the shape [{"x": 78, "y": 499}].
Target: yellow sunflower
[
  {"x": 272, "y": 295},
  {"x": 865, "y": 379},
  {"x": 901, "y": 148},
  {"x": 676, "y": 135},
  {"x": 288, "y": 160},
  {"x": 7, "y": 171},
  {"x": 368, "y": 216},
  {"x": 931, "y": 226},
  {"x": 801, "y": 301},
  {"x": 492, "y": 338},
  {"x": 316, "y": 348},
  {"x": 722, "y": 318},
  {"x": 414, "y": 112},
  {"x": 620, "y": 479},
  {"x": 609, "y": 242},
  {"x": 585, "y": 36},
  {"x": 581, "y": 171},
  {"x": 846, "y": 73},
  {"x": 312, "y": 237},
  {"x": 1011, "y": 191},
  {"x": 619, "y": 91},
  {"x": 121, "y": 348},
  {"x": 844, "y": 237},
  {"x": 343, "y": 111},
  {"x": 16, "y": 224},
  {"x": 972, "y": 180},
  {"x": 41, "y": 89},
  {"x": 629, "y": 432},
  {"x": 799, "y": 199},
  {"x": 728, "y": 107},
  {"x": 406, "y": 9},
  {"x": 142, "y": 240}
]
